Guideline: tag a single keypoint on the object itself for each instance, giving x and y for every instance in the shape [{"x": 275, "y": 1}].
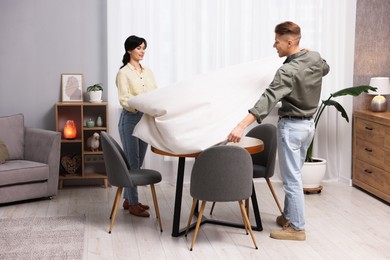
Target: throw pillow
[
  {"x": 12, "y": 134},
  {"x": 3, "y": 153}
]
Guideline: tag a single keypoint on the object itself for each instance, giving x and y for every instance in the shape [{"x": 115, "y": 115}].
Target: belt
[{"x": 297, "y": 117}]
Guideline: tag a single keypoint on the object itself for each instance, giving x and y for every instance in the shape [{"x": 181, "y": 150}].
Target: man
[{"x": 297, "y": 84}]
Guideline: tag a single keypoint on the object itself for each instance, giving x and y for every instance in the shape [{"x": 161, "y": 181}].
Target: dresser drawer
[
  {"x": 373, "y": 132},
  {"x": 370, "y": 152},
  {"x": 372, "y": 176}
]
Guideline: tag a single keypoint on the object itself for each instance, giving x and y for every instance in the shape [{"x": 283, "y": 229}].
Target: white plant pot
[
  {"x": 313, "y": 173},
  {"x": 95, "y": 96}
]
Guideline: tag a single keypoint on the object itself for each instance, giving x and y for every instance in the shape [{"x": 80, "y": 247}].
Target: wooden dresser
[{"x": 371, "y": 152}]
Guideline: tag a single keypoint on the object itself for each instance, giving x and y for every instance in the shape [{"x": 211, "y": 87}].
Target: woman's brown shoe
[
  {"x": 143, "y": 206},
  {"x": 126, "y": 204},
  {"x": 136, "y": 210}
]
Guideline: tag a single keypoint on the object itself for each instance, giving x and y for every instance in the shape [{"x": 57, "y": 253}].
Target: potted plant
[
  {"x": 314, "y": 168},
  {"x": 95, "y": 93}
]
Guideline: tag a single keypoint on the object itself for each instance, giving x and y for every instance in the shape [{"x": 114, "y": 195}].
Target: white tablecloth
[{"x": 194, "y": 114}]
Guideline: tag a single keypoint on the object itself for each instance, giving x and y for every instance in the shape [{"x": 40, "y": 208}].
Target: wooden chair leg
[
  {"x": 274, "y": 194},
  {"x": 116, "y": 194},
  {"x": 198, "y": 224},
  {"x": 156, "y": 205},
  {"x": 243, "y": 220},
  {"x": 194, "y": 201},
  {"x": 212, "y": 208},
  {"x": 246, "y": 222},
  {"x": 247, "y": 206},
  {"x": 115, "y": 207}
]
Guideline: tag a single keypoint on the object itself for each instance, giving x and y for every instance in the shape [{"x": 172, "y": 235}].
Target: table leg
[
  {"x": 259, "y": 226},
  {"x": 178, "y": 197}
]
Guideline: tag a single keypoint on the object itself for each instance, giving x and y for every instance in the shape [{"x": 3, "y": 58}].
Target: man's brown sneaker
[
  {"x": 282, "y": 221},
  {"x": 288, "y": 233}
]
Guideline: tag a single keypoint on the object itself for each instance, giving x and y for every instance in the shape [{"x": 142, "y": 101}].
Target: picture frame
[{"x": 72, "y": 87}]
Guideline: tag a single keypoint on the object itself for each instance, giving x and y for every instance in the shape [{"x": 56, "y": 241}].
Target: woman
[{"x": 133, "y": 79}]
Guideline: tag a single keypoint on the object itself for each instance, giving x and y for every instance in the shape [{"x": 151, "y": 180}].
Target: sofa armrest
[{"x": 44, "y": 146}]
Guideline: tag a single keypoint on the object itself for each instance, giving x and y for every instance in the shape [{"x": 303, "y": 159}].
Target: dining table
[{"x": 252, "y": 145}]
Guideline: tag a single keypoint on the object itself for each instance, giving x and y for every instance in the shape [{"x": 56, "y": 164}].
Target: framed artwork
[{"x": 72, "y": 87}]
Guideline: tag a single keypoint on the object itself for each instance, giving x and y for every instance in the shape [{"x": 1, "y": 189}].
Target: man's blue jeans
[
  {"x": 134, "y": 148},
  {"x": 294, "y": 138}
]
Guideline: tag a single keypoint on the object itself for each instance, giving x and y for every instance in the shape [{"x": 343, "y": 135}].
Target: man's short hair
[{"x": 288, "y": 28}]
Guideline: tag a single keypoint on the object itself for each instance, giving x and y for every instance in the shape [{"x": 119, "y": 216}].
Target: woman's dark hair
[{"x": 131, "y": 43}]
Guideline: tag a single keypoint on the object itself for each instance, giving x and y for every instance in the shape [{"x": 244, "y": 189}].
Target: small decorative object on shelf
[
  {"x": 71, "y": 163},
  {"x": 93, "y": 142},
  {"x": 70, "y": 130},
  {"x": 95, "y": 93},
  {"x": 99, "y": 121},
  {"x": 90, "y": 123}
]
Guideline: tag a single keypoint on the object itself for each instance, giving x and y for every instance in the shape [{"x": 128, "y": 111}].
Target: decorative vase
[
  {"x": 99, "y": 121},
  {"x": 70, "y": 130},
  {"x": 90, "y": 123}
]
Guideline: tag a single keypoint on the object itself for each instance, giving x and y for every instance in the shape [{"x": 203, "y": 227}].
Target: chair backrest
[
  {"x": 268, "y": 134},
  {"x": 116, "y": 163},
  {"x": 222, "y": 173}
]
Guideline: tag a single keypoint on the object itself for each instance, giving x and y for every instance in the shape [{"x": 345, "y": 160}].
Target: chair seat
[
  {"x": 143, "y": 177},
  {"x": 259, "y": 171}
]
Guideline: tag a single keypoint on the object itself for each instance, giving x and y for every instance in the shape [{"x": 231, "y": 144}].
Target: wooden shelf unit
[
  {"x": 371, "y": 149},
  {"x": 92, "y": 163}
]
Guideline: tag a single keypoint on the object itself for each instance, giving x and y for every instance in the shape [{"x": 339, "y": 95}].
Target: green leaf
[
  {"x": 353, "y": 91},
  {"x": 338, "y": 107}
]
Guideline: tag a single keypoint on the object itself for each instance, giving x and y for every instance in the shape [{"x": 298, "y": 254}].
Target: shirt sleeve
[
  {"x": 124, "y": 92},
  {"x": 325, "y": 68},
  {"x": 279, "y": 87}
]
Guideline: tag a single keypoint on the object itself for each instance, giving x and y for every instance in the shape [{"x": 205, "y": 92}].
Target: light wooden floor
[{"x": 342, "y": 223}]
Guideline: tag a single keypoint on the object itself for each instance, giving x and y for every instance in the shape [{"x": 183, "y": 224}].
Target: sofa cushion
[
  {"x": 12, "y": 134},
  {"x": 4, "y": 155},
  {"x": 20, "y": 171}
]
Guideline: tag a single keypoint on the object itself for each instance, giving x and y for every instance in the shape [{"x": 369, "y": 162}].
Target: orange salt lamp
[{"x": 70, "y": 130}]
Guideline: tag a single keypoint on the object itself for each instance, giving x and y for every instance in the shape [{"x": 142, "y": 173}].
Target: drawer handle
[
  {"x": 368, "y": 149},
  {"x": 369, "y": 128},
  {"x": 367, "y": 171}
]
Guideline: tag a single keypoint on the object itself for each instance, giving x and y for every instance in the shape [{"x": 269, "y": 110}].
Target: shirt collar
[
  {"x": 295, "y": 55},
  {"x": 133, "y": 68}
]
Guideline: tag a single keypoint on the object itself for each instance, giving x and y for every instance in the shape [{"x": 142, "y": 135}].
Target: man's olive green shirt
[{"x": 297, "y": 84}]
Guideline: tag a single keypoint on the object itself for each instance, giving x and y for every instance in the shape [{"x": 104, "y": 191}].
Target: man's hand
[{"x": 236, "y": 134}]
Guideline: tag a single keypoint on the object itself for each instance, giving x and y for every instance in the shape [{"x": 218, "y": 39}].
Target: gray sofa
[{"x": 29, "y": 160}]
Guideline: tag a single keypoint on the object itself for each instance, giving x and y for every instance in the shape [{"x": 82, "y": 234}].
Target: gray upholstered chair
[
  {"x": 221, "y": 173},
  {"x": 264, "y": 162},
  {"x": 120, "y": 175}
]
